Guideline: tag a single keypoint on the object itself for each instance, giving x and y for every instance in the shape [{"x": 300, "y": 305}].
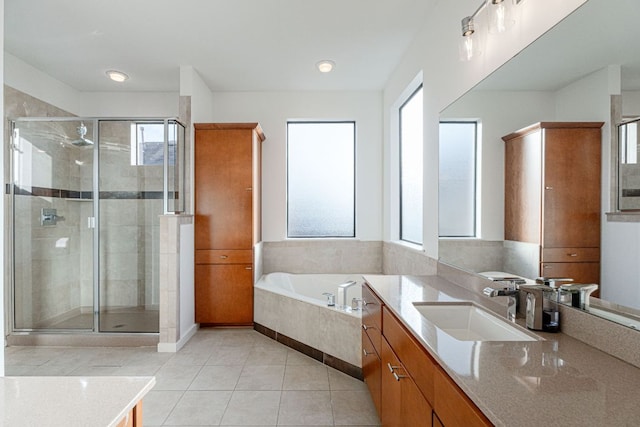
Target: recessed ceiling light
[
  {"x": 325, "y": 66},
  {"x": 117, "y": 76}
]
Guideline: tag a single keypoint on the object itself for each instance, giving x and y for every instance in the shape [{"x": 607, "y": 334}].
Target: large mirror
[{"x": 569, "y": 74}]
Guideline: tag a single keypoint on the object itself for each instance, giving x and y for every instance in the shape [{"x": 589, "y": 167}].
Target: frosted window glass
[
  {"x": 411, "y": 169},
  {"x": 321, "y": 179},
  {"x": 457, "y": 182}
]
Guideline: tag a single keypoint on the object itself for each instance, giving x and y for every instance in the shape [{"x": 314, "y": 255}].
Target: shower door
[
  {"x": 53, "y": 207},
  {"x": 131, "y": 155}
]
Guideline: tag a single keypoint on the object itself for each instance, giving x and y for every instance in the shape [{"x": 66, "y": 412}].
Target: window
[
  {"x": 147, "y": 143},
  {"x": 321, "y": 179},
  {"x": 411, "y": 168},
  {"x": 457, "y": 182}
]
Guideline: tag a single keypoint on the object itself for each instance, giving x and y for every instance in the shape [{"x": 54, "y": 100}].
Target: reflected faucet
[
  {"x": 510, "y": 291},
  {"x": 580, "y": 294},
  {"x": 342, "y": 292}
]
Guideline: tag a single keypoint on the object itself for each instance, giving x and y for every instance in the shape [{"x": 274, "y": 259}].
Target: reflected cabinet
[
  {"x": 227, "y": 220},
  {"x": 552, "y": 196}
]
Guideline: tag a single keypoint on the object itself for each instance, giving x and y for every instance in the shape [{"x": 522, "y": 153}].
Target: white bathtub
[{"x": 293, "y": 305}]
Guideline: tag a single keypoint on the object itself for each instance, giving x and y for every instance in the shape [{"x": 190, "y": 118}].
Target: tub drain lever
[{"x": 331, "y": 299}]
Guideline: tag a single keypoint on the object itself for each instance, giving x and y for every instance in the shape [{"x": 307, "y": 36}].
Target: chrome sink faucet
[
  {"x": 510, "y": 291},
  {"x": 342, "y": 292}
]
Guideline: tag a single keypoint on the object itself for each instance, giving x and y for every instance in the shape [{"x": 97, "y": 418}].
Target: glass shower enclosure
[{"x": 86, "y": 197}]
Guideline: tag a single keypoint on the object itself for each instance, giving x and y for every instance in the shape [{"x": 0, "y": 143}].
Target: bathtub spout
[
  {"x": 342, "y": 292},
  {"x": 331, "y": 299}
]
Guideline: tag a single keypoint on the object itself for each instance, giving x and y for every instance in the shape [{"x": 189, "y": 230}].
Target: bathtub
[{"x": 293, "y": 305}]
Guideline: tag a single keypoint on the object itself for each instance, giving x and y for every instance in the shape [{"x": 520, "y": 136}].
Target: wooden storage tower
[
  {"x": 552, "y": 196},
  {"x": 227, "y": 220}
]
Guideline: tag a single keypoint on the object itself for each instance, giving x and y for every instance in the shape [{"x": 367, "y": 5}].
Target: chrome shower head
[{"x": 82, "y": 141}]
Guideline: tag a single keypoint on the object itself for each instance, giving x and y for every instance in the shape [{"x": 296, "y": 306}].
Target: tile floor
[{"x": 222, "y": 377}]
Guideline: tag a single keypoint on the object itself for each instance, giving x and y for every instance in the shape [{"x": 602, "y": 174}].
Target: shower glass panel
[
  {"x": 52, "y": 195},
  {"x": 87, "y": 195}
]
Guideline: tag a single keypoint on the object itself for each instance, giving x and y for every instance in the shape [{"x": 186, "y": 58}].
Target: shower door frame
[{"x": 95, "y": 222}]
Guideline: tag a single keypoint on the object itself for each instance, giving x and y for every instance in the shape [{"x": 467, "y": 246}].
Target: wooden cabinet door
[
  {"x": 371, "y": 370},
  {"x": 224, "y": 189},
  {"x": 224, "y": 294},
  {"x": 452, "y": 406},
  {"x": 571, "y": 189},
  {"x": 391, "y": 389}
]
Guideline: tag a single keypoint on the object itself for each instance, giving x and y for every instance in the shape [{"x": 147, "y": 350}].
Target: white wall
[
  {"x": 435, "y": 53},
  {"x": 2, "y": 287},
  {"x": 273, "y": 109},
  {"x": 129, "y": 104}
]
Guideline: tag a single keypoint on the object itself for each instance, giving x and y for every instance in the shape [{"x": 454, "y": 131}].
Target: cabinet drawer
[
  {"x": 371, "y": 370},
  {"x": 221, "y": 256},
  {"x": 452, "y": 406},
  {"x": 418, "y": 363},
  {"x": 372, "y": 308},
  {"x": 570, "y": 254}
]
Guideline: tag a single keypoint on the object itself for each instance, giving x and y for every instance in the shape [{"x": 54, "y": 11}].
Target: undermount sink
[{"x": 466, "y": 321}]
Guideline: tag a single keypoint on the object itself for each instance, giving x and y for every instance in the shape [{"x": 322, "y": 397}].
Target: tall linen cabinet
[
  {"x": 227, "y": 192},
  {"x": 552, "y": 196}
]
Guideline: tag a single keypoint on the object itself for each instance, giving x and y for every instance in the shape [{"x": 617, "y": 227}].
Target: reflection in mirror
[
  {"x": 568, "y": 75},
  {"x": 629, "y": 169}
]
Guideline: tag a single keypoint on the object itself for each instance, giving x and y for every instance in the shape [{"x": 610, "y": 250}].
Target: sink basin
[{"x": 466, "y": 321}]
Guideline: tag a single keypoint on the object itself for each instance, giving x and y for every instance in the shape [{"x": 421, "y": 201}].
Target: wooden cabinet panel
[
  {"x": 371, "y": 369},
  {"x": 571, "y": 203},
  {"x": 224, "y": 294},
  {"x": 571, "y": 255},
  {"x": 452, "y": 406},
  {"x": 413, "y": 356},
  {"x": 372, "y": 317},
  {"x": 523, "y": 177},
  {"x": 224, "y": 186},
  {"x": 402, "y": 403},
  {"x": 580, "y": 272},
  {"x": 221, "y": 256}
]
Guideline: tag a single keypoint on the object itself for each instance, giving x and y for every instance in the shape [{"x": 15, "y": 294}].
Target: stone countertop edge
[
  {"x": 70, "y": 401},
  {"x": 558, "y": 380}
]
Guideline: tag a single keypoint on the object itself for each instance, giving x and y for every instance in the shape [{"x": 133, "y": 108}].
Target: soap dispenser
[{"x": 541, "y": 313}]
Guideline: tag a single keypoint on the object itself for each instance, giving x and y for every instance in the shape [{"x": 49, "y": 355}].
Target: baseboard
[{"x": 166, "y": 347}]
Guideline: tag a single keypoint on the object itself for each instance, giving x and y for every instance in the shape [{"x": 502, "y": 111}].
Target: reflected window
[
  {"x": 411, "y": 162},
  {"x": 457, "y": 180},
  {"x": 628, "y": 167},
  {"x": 321, "y": 179}
]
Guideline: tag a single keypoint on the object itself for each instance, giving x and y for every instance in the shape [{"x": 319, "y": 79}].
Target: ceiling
[
  {"x": 248, "y": 45},
  {"x": 598, "y": 34}
]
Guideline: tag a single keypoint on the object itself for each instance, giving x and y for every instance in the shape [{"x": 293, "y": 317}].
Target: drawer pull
[
  {"x": 397, "y": 377},
  {"x": 223, "y": 257},
  {"x": 365, "y": 352},
  {"x": 364, "y": 327},
  {"x": 392, "y": 368},
  {"x": 248, "y": 268},
  {"x": 572, "y": 254},
  {"x": 364, "y": 302}
]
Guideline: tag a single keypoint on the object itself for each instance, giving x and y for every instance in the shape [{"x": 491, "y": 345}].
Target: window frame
[
  {"x": 355, "y": 195},
  {"x": 419, "y": 88}
]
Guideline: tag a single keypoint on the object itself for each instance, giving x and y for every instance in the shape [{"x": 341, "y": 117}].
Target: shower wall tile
[{"x": 323, "y": 256}]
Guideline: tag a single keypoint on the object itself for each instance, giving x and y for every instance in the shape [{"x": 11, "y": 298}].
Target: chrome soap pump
[{"x": 541, "y": 312}]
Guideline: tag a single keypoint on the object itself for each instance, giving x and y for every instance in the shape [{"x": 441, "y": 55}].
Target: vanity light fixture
[
  {"x": 500, "y": 19},
  {"x": 117, "y": 76},
  {"x": 325, "y": 66}
]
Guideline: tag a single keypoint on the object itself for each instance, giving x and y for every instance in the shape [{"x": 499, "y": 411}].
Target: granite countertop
[
  {"x": 70, "y": 401},
  {"x": 555, "y": 381}
]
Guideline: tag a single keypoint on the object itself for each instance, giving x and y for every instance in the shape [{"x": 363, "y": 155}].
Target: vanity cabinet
[
  {"x": 407, "y": 385},
  {"x": 552, "y": 196},
  {"x": 227, "y": 220}
]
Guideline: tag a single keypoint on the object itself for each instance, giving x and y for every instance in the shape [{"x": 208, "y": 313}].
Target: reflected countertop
[
  {"x": 555, "y": 381},
  {"x": 69, "y": 401}
]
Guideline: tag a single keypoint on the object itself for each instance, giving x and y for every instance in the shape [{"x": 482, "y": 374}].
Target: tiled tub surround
[
  {"x": 555, "y": 381},
  {"x": 292, "y": 305}
]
